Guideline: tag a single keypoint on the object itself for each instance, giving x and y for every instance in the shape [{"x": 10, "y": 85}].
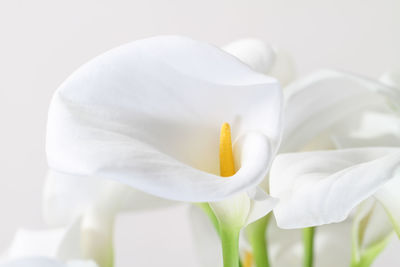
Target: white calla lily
[
  {"x": 336, "y": 110},
  {"x": 148, "y": 114},
  {"x": 330, "y": 110},
  {"x": 67, "y": 197}
]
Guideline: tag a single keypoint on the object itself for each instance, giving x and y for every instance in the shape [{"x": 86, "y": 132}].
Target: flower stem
[
  {"x": 365, "y": 257},
  {"x": 308, "y": 242},
  {"x": 96, "y": 238},
  {"x": 210, "y": 213},
  {"x": 257, "y": 236},
  {"x": 230, "y": 245}
]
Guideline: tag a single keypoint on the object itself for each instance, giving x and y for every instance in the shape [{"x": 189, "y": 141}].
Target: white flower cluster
[{"x": 138, "y": 128}]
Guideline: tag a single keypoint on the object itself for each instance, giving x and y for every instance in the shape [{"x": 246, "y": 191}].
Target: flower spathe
[
  {"x": 346, "y": 111},
  {"x": 314, "y": 104},
  {"x": 323, "y": 187},
  {"x": 67, "y": 197},
  {"x": 148, "y": 115},
  {"x": 243, "y": 208}
]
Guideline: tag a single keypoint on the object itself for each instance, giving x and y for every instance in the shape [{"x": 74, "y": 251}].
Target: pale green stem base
[
  {"x": 370, "y": 256},
  {"x": 210, "y": 213},
  {"x": 229, "y": 238},
  {"x": 96, "y": 239},
  {"x": 308, "y": 242},
  {"x": 366, "y": 257},
  {"x": 256, "y": 233},
  {"x": 230, "y": 246}
]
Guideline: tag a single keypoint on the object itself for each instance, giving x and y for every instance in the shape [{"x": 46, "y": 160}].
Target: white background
[{"x": 42, "y": 42}]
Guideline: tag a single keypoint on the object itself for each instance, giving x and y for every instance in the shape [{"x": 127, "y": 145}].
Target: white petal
[
  {"x": 367, "y": 129},
  {"x": 28, "y": 243},
  {"x": 375, "y": 126},
  {"x": 264, "y": 58},
  {"x": 392, "y": 78},
  {"x": 148, "y": 114},
  {"x": 253, "y": 52},
  {"x": 89, "y": 238},
  {"x": 372, "y": 224},
  {"x": 319, "y": 101},
  {"x": 388, "y": 196},
  {"x": 61, "y": 243},
  {"x": 284, "y": 69},
  {"x": 68, "y": 197},
  {"x": 322, "y": 187},
  {"x": 260, "y": 204}
]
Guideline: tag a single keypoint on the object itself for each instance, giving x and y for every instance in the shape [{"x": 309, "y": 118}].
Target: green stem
[
  {"x": 370, "y": 255},
  {"x": 226, "y": 242},
  {"x": 366, "y": 257},
  {"x": 230, "y": 245},
  {"x": 210, "y": 213},
  {"x": 256, "y": 233},
  {"x": 308, "y": 242},
  {"x": 355, "y": 255}
]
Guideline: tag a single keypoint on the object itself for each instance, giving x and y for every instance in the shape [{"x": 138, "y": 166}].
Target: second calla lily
[{"x": 357, "y": 118}]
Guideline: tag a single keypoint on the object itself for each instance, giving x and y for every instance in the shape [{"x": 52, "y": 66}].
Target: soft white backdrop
[{"x": 42, "y": 42}]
